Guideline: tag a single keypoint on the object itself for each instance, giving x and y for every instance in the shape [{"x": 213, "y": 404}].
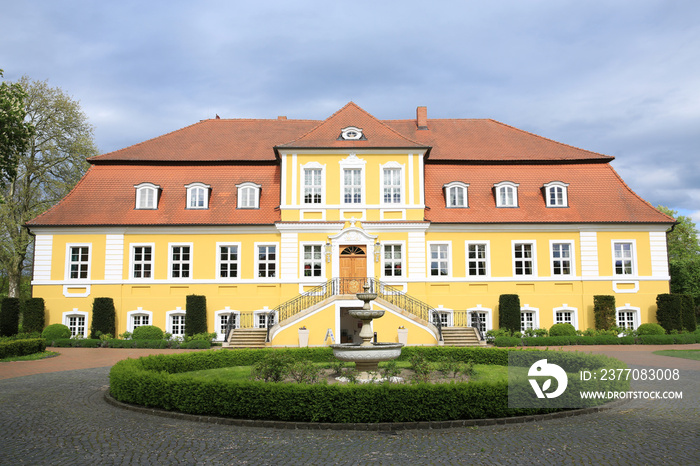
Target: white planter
[
  {"x": 403, "y": 336},
  {"x": 303, "y": 338}
]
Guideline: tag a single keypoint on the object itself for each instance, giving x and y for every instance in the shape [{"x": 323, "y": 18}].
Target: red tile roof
[
  {"x": 106, "y": 196},
  {"x": 596, "y": 194}
]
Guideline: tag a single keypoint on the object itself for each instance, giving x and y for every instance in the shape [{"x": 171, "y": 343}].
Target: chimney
[
  {"x": 281, "y": 117},
  {"x": 422, "y": 117}
]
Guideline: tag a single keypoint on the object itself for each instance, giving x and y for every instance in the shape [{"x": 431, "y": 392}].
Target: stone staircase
[
  {"x": 461, "y": 336},
  {"x": 246, "y": 338}
]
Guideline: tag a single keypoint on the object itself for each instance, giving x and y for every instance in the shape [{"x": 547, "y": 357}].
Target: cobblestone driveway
[{"x": 62, "y": 418}]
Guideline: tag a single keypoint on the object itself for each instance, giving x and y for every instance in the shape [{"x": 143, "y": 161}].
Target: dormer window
[
  {"x": 198, "y": 196},
  {"x": 147, "y": 196},
  {"x": 351, "y": 133},
  {"x": 556, "y": 194},
  {"x": 506, "y": 194},
  {"x": 456, "y": 194},
  {"x": 248, "y": 195}
]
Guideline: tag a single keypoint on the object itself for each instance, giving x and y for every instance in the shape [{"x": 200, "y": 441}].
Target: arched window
[
  {"x": 248, "y": 195},
  {"x": 556, "y": 194},
  {"x": 506, "y": 194},
  {"x": 147, "y": 196},
  {"x": 456, "y": 194},
  {"x": 197, "y": 196}
]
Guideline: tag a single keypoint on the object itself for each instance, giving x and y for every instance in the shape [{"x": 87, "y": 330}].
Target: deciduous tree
[
  {"x": 15, "y": 131},
  {"x": 44, "y": 172}
]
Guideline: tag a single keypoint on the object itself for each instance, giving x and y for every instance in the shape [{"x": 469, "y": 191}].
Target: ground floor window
[
  {"x": 527, "y": 320},
  {"x": 262, "y": 319},
  {"x": 627, "y": 318},
  {"x": 76, "y": 324},
  {"x": 177, "y": 325},
  {"x": 138, "y": 318},
  {"x": 565, "y": 315},
  {"x": 442, "y": 317},
  {"x": 479, "y": 320}
]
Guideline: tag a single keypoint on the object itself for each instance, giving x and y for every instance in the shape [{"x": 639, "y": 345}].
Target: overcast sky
[{"x": 617, "y": 77}]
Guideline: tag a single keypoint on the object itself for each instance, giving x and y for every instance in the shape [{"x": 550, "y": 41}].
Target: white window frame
[
  {"x": 535, "y": 316},
  {"x": 259, "y": 313},
  {"x": 65, "y": 318},
  {"x": 401, "y": 261},
  {"x": 446, "y": 316},
  {"x": 217, "y": 272},
  {"x": 533, "y": 245},
  {"x": 276, "y": 262},
  {"x": 142, "y": 196},
  {"x": 566, "y": 308},
  {"x": 352, "y": 162},
  {"x": 553, "y": 186},
  {"x": 241, "y": 196},
  {"x": 69, "y": 262},
  {"x": 133, "y": 262},
  {"x": 572, "y": 266},
  {"x": 192, "y": 197},
  {"x": 487, "y": 259},
  {"x": 178, "y": 312},
  {"x": 429, "y": 260},
  {"x": 138, "y": 312},
  {"x": 172, "y": 262},
  {"x": 636, "y": 312},
  {"x": 303, "y": 261},
  {"x": 402, "y": 194},
  {"x": 322, "y": 187},
  {"x": 633, "y": 257},
  {"x": 488, "y": 324},
  {"x": 503, "y": 187},
  {"x": 218, "y": 318},
  {"x": 456, "y": 186}
]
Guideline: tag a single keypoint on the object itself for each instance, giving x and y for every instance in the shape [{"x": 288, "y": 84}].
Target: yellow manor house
[{"x": 279, "y": 223}]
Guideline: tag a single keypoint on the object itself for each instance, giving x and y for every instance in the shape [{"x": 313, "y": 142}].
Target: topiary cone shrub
[
  {"x": 9, "y": 317},
  {"x": 33, "y": 315},
  {"x": 103, "y": 317},
  {"x": 195, "y": 314},
  {"x": 509, "y": 312},
  {"x": 604, "y": 311}
]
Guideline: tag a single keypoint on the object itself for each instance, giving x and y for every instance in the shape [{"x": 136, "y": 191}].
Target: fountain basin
[{"x": 367, "y": 358}]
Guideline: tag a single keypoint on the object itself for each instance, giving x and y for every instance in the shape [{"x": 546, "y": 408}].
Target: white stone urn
[
  {"x": 403, "y": 336},
  {"x": 303, "y": 337}
]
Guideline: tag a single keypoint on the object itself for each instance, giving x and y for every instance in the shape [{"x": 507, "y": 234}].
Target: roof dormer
[
  {"x": 147, "y": 196},
  {"x": 198, "y": 195}
]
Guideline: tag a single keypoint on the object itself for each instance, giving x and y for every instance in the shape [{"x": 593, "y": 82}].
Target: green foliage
[
  {"x": 688, "y": 312},
  {"x": 15, "y": 131},
  {"x": 390, "y": 369},
  {"x": 147, "y": 332},
  {"x": 304, "y": 371},
  {"x": 420, "y": 367},
  {"x": 668, "y": 311},
  {"x": 13, "y": 348},
  {"x": 604, "y": 311},
  {"x": 159, "y": 381},
  {"x": 195, "y": 314},
  {"x": 201, "y": 336},
  {"x": 273, "y": 368},
  {"x": 509, "y": 312},
  {"x": 562, "y": 330},
  {"x": 55, "y": 332},
  {"x": 682, "y": 239},
  {"x": 9, "y": 317},
  {"x": 685, "y": 276},
  {"x": 650, "y": 329},
  {"x": 33, "y": 315},
  {"x": 103, "y": 317}
]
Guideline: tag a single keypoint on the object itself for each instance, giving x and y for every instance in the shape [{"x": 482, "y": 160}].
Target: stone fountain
[{"x": 366, "y": 355}]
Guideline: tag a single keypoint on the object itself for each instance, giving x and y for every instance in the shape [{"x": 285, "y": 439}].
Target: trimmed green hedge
[
  {"x": 9, "y": 317},
  {"x": 509, "y": 312},
  {"x": 668, "y": 311},
  {"x": 13, "y": 348},
  {"x": 678, "y": 339},
  {"x": 195, "y": 314},
  {"x": 103, "y": 318},
  {"x": 604, "y": 312},
  {"x": 33, "y": 315},
  {"x": 154, "y": 344},
  {"x": 162, "y": 381}
]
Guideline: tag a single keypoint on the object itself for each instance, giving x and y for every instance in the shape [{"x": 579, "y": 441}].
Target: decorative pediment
[{"x": 353, "y": 234}]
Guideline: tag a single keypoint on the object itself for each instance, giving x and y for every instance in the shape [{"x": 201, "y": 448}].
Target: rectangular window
[
  {"x": 140, "y": 319},
  {"x": 223, "y": 322},
  {"x": 564, "y": 317},
  {"x": 392, "y": 260},
  {"x": 177, "y": 325},
  {"x": 476, "y": 260},
  {"x": 624, "y": 258},
  {"x": 444, "y": 318},
  {"x": 455, "y": 196},
  {"x": 625, "y": 319},
  {"x": 561, "y": 259},
  {"x": 392, "y": 186},
  {"x": 313, "y": 184},
  {"x": 76, "y": 324},
  {"x": 527, "y": 320},
  {"x": 143, "y": 262},
  {"x": 352, "y": 186},
  {"x": 181, "y": 261},
  {"x": 313, "y": 261},
  {"x": 523, "y": 259},
  {"x": 267, "y": 261},
  {"x": 478, "y": 320},
  {"x": 263, "y": 318},
  {"x": 228, "y": 261},
  {"x": 439, "y": 260},
  {"x": 79, "y": 262}
]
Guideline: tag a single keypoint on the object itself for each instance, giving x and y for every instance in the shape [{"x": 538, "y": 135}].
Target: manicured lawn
[
  {"x": 31, "y": 357},
  {"x": 685, "y": 354}
]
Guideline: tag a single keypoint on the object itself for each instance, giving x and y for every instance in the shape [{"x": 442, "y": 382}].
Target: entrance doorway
[{"x": 353, "y": 269}]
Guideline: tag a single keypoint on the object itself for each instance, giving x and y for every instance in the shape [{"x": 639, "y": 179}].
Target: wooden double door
[{"x": 353, "y": 269}]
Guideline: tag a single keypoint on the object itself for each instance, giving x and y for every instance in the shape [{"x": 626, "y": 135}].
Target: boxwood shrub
[
  {"x": 562, "y": 330},
  {"x": 55, "y": 332},
  {"x": 509, "y": 312},
  {"x": 103, "y": 317},
  {"x": 9, "y": 317},
  {"x": 147, "y": 332},
  {"x": 33, "y": 315},
  {"x": 604, "y": 311},
  {"x": 13, "y": 348},
  {"x": 195, "y": 314}
]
